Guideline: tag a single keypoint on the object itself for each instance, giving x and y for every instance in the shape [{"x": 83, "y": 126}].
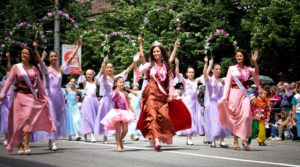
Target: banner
[{"x": 76, "y": 62}]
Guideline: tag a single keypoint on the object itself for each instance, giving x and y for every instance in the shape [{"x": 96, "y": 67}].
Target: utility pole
[{"x": 57, "y": 29}]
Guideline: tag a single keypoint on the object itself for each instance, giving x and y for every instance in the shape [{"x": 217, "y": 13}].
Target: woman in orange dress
[{"x": 162, "y": 113}]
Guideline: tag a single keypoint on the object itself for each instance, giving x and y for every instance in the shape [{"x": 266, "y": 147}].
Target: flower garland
[
  {"x": 162, "y": 9},
  {"x": 218, "y": 33},
  {"x": 104, "y": 40},
  {"x": 245, "y": 73},
  {"x": 67, "y": 16},
  {"x": 8, "y": 40}
]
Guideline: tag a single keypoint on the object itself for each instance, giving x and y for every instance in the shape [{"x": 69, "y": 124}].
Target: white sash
[
  {"x": 26, "y": 78},
  {"x": 239, "y": 84}
]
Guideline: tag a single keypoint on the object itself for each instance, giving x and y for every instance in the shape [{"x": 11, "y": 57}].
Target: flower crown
[{"x": 156, "y": 43}]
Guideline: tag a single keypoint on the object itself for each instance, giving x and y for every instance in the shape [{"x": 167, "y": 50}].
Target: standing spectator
[
  {"x": 296, "y": 110},
  {"x": 275, "y": 99},
  {"x": 253, "y": 91},
  {"x": 286, "y": 98}
]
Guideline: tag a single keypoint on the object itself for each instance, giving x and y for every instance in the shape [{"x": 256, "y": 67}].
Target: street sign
[{"x": 76, "y": 62}]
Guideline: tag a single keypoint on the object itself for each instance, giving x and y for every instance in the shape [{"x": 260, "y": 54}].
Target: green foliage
[
  {"x": 13, "y": 12},
  {"x": 272, "y": 26},
  {"x": 275, "y": 31}
]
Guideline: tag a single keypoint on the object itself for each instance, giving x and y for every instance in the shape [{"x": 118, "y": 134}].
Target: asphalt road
[{"x": 140, "y": 154}]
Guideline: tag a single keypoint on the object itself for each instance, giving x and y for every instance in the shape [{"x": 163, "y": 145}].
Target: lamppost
[{"x": 57, "y": 29}]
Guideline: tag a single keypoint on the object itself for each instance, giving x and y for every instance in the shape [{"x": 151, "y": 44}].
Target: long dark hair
[
  {"x": 116, "y": 80},
  {"x": 165, "y": 60},
  {"x": 246, "y": 55},
  {"x": 33, "y": 59}
]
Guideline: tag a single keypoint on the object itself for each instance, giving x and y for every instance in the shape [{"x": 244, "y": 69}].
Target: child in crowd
[{"x": 260, "y": 108}]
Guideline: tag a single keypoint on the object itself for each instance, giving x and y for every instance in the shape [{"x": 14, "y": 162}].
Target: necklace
[{"x": 244, "y": 71}]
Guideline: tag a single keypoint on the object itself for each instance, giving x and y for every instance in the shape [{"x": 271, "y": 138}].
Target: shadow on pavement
[{"x": 13, "y": 162}]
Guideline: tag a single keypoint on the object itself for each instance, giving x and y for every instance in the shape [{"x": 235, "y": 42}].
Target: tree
[{"x": 275, "y": 32}]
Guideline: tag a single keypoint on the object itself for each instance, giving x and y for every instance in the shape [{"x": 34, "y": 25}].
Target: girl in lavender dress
[
  {"x": 106, "y": 78},
  {"x": 4, "y": 109},
  {"x": 120, "y": 115},
  {"x": 190, "y": 99},
  {"x": 90, "y": 104},
  {"x": 56, "y": 97},
  {"x": 214, "y": 91},
  {"x": 5, "y": 106}
]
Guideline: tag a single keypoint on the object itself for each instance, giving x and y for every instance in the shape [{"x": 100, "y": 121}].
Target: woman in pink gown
[
  {"x": 234, "y": 107},
  {"x": 30, "y": 108}
]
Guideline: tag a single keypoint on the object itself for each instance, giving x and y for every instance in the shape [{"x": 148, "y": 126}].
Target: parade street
[{"x": 140, "y": 154}]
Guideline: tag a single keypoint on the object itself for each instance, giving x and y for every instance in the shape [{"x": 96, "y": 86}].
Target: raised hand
[
  {"x": 7, "y": 54},
  {"x": 140, "y": 38},
  {"x": 136, "y": 57},
  {"x": 255, "y": 55},
  {"x": 211, "y": 61},
  {"x": 105, "y": 60},
  {"x": 177, "y": 43},
  {"x": 44, "y": 55},
  {"x": 35, "y": 44},
  {"x": 205, "y": 59}
]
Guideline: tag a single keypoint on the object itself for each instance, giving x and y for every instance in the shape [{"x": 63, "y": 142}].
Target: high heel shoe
[
  {"x": 237, "y": 146},
  {"x": 246, "y": 147},
  {"x": 157, "y": 147}
]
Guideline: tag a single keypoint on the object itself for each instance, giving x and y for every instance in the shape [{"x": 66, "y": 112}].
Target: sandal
[
  {"x": 246, "y": 147},
  {"x": 236, "y": 146},
  {"x": 21, "y": 149}
]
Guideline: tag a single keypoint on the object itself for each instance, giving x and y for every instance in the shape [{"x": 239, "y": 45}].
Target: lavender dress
[
  {"x": 57, "y": 108},
  {"x": 4, "y": 109},
  {"x": 190, "y": 99},
  {"x": 89, "y": 108},
  {"x": 213, "y": 127},
  {"x": 106, "y": 104}
]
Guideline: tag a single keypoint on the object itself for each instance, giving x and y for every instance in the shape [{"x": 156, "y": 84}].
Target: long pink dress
[
  {"x": 28, "y": 113},
  {"x": 234, "y": 108}
]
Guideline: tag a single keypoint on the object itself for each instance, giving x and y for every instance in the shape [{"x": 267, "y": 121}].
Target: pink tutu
[{"x": 115, "y": 115}]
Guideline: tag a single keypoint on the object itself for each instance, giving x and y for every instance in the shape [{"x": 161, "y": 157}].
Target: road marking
[
  {"x": 234, "y": 159},
  {"x": 197, "y": 155}
]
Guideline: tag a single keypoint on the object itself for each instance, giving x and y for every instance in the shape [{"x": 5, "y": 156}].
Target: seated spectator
[
  {"x": 286, "y": 126},
  {"x": 291, "y": 127},
  {"x": 274, "y": 126}
]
